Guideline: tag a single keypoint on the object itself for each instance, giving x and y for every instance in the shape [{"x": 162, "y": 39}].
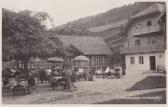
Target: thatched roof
[
  {"x": 86, "y": 44},
  {"x": 157, "y": 7}
]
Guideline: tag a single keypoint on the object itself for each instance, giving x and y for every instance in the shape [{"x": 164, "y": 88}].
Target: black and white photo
[{"x": 83, "y": 52}]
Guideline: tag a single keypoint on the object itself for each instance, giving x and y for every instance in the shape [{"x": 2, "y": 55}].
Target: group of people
[
  {"x": 66, "y": 77},
  {"x": 115, "y": 72},
  {"x": 9, "y": 75},
  {"x": 70, "y": 74},
  {"x": 42, "y": 75}
]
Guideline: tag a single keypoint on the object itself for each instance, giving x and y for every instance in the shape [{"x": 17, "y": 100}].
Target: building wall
[
  {"x": 69, "y": 61},
  {"x": 143, "y": 39},
  {"x": 97, "y": 60},
  {"x": 139, "y": 68},
  {"x": 143, "y": 22},
  {"x": 159, "y": 38}
]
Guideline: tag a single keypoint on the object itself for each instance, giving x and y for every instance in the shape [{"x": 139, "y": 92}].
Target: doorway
[{"x": 152, "y": 63}]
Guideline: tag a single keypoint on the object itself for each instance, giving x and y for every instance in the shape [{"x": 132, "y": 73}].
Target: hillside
[{"x": 81, "y": 26}]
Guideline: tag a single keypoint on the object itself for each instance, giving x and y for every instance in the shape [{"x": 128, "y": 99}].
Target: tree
[{"x": 23, "y": 36}]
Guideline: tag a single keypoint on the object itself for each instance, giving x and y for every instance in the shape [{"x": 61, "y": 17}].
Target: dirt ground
[{"x": 88, "y": 92}]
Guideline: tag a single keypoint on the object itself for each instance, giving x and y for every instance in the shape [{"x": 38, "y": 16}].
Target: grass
[{"x": 150, "y": 82}]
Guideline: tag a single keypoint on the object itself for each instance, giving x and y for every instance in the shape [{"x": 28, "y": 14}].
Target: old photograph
[{"x": 83, "y": 52}]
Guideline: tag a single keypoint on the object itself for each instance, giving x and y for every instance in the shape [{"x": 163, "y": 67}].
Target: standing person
[
  {"x": 91, "y": 74},
  {"x": 103, "y": 72},
  {"x": 85, "y": 73},
  {"x": 70, "y": 81},
  {"x": 42, "y": 75},
  {"x": 31, "y": 82},
  {"x": 48, "y": 72},
  {"x": 73, "y": 76}
]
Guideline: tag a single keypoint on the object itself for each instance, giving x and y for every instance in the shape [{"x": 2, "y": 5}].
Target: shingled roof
[
  {"x": 86, "y": 44},
  {"x": 157, "y": 7}
]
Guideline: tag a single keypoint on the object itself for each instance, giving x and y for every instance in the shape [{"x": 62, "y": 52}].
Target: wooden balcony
[
  {"x": 147, "y": 30},
  {"x": 143, "y": 49}
]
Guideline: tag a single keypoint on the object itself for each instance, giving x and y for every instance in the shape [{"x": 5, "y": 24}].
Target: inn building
[
  {"x": 145, "y": 46},
  {"x": 94, "y": 48}
]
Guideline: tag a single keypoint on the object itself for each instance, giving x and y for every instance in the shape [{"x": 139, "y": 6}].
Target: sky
[{"x": 63, "y": 11}]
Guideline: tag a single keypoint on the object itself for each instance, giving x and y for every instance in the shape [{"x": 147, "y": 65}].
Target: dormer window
[
  {"x": 138, "y": 26},
  {"x": 149, "y": 23}
]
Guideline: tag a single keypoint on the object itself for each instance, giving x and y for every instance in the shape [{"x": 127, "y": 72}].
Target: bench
[{"x": 161, "y": 68}]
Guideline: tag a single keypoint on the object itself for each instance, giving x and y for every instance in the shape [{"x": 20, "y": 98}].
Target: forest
[{"x": 81, "y": 26}]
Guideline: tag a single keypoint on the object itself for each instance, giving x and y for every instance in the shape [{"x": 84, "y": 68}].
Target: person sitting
[
  {"x": 109, "y": 74},
  {"x": 117, "y": 71},
  {"x": 20, "y": 74},
  {"x": 69, "y": 85}
]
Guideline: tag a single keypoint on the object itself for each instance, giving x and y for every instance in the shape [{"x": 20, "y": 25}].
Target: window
[
  {"x": 128, "y": 43},
  {"x": 149, "y": 23},
  {"x": 94, "y": 58},
  {"x": 132, "y": 60},
  {"x": 98, "y": 61},
  {"x": 151, "y": 41},
  {"x": 137, "y": 42},
  {"x": 141, "y": 61},
  {"x": 103, "y": 60}
]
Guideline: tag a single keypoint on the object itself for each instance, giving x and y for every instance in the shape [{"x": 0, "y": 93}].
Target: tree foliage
[
  {"x": 111, "y": 16},
  {"x": 24, "y": 35}
]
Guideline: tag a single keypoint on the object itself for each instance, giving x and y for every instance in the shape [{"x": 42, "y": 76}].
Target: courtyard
[{"x": 143, "y": 88}]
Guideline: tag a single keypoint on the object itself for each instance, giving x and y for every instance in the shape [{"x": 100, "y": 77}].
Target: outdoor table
[{"x": 57, "y": 78}]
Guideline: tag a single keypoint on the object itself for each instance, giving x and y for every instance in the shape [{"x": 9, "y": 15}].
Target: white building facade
[{"x": 145, "y": 47}]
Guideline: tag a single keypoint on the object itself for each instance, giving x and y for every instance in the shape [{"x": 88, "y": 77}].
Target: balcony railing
[
  {"x": 147, "y": 30},
  {"x": 141, "y": 49}
]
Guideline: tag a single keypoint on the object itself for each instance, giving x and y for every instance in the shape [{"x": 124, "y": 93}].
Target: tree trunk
[
  {"x": 17, "y": 64},
  {"x": 26, "y": 66}
]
